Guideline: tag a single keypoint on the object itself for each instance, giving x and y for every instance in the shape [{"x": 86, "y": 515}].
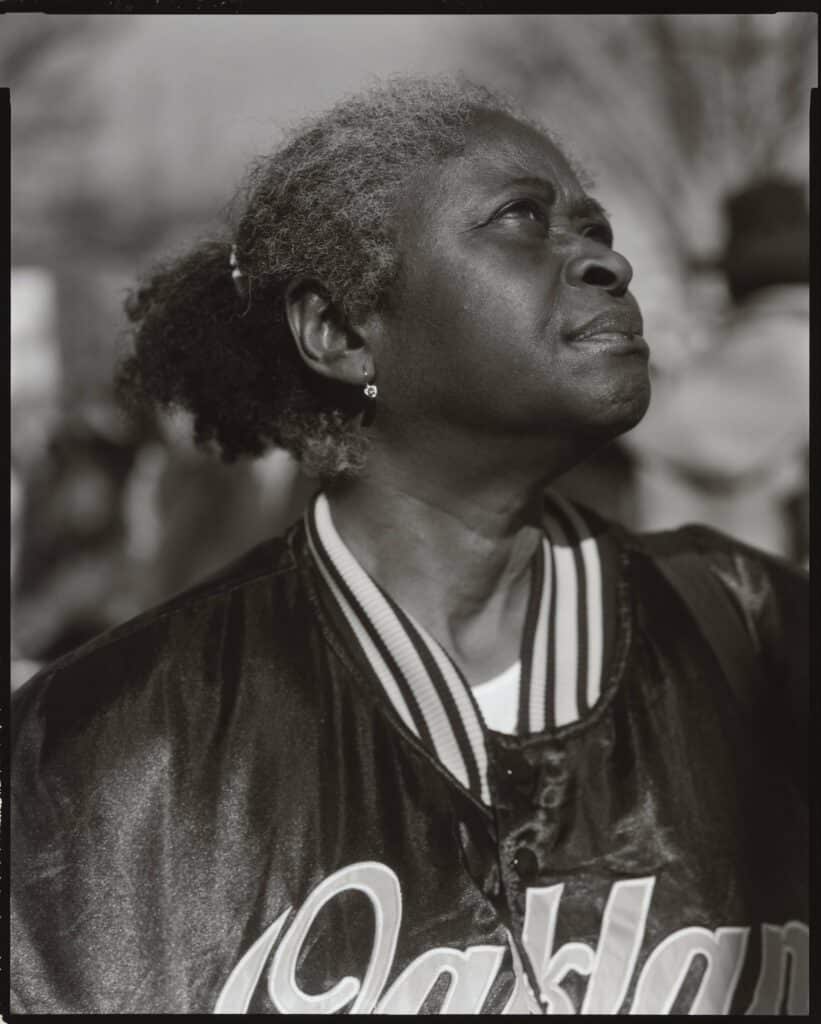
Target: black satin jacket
[{"x": 214, "y": 809}]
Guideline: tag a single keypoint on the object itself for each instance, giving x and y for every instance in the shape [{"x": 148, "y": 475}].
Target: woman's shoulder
[
  {"x": 175, "y": 651},
  {"x": 714, "y": 570},
  {"x": 718, "y": 549},
  {"x": 758, "y": 581}
]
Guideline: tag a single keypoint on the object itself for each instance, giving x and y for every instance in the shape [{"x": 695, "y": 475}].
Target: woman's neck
[{"x": 457, "y": 558}]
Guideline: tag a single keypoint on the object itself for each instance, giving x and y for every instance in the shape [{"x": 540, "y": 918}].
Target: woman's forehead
[
  {"x": 501, "y": 151},
  {"x": 499, "y": 140}
]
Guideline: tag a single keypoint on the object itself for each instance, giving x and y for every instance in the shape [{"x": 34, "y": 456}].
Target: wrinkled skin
[{"x": 505, "y": 256}]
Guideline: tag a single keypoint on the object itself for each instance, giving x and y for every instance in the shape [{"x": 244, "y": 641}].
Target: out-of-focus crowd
[
  {"x": 112, "y": 513},
  {"x": 111, "y": 518}
]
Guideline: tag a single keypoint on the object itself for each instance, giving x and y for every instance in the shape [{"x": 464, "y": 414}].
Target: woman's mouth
[
  {"x": 626, "y": 322},
  {"x": 614, "y": 342}
]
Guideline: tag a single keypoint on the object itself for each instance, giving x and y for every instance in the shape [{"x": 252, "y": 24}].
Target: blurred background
[{"x": 129, "y": 134}]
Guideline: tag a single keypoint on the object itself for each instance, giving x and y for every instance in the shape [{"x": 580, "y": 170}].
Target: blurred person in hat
[{"x": 726, "y": 442}]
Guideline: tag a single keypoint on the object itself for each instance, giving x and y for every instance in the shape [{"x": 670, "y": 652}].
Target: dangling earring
[{"x": 371, "y": 390}]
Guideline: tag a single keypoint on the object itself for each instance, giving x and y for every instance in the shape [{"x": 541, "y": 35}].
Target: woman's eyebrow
[
  {"x": 541, "y": 184},
  {"x": 587, "y": 206}
]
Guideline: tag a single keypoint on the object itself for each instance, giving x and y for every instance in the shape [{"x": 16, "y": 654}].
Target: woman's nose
[{"x": 604, "y": 269}]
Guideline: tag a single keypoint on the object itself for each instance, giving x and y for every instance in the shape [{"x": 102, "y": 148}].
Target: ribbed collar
[{"x": 561, "y": 651}]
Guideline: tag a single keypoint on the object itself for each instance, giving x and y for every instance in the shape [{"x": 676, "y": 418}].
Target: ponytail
[{"x": 225, "y": 355}]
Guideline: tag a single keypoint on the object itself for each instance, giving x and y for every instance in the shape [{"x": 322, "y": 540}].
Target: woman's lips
[
  {"x": 624, "y": 322},
  {"x": 615, "y": 342}
]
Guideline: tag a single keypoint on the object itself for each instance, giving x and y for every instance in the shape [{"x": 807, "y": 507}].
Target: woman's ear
[{"x": 325, "y": 343}]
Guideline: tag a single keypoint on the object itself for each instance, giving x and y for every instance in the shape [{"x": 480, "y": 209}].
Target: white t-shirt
[{"x": 498, "y": 699}]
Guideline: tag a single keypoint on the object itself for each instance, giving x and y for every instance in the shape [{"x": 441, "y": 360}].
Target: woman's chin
[{"x": 618, "y": 410}]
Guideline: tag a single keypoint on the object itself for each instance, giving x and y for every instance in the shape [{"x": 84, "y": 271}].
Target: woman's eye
[{"x": 522, "y": 209}]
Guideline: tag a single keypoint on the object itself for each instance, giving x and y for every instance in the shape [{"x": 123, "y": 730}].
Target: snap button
[
  {"x": 517, "y": 769},
  {"x": 525, "y": 863}
]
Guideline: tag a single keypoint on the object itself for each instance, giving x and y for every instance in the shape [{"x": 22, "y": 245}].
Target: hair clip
[{"x": 236, "y": 273}]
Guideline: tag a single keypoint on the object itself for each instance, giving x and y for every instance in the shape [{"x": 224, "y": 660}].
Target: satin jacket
[{"x": 217, "y": 808}]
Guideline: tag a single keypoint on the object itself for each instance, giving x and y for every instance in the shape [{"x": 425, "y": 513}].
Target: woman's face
[{"x": 512, "y": 314}]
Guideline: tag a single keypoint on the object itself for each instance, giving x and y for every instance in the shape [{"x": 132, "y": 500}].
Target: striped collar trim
[{"x": 561, "y": 653}]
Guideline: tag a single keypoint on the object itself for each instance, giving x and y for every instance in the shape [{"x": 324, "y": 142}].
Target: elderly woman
[{"x": 452, "y": 743}]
